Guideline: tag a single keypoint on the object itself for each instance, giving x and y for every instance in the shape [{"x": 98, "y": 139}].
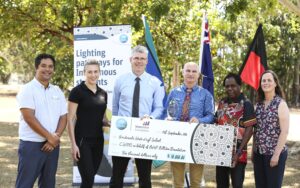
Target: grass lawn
[{"x": 161, "y": 177}]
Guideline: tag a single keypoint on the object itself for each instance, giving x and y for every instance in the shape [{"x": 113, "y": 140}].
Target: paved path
[
  {"x": 9, "y": 110},
  {"x": 294, "y": 127}
]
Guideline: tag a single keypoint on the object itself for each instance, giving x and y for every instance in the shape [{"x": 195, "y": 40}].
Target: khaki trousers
[{"x": 178, "y": 170}]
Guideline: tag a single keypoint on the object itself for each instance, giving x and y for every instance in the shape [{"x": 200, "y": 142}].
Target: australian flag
[{"x": 205, "y": 61}]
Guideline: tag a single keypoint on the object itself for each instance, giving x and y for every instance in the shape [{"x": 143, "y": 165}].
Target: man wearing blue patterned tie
[{"x": 195, "y": 105}]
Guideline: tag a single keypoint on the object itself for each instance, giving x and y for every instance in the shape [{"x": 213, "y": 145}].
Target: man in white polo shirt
[{"x": 43, "y": 120}]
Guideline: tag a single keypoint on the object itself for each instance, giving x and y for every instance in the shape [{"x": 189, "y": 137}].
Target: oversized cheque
[{"x": 172, "y": 141}]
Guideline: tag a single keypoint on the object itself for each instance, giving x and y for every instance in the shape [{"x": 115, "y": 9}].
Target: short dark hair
[
  {"x": 236, "y": 77},
  {"x": 39, "y": 58}
]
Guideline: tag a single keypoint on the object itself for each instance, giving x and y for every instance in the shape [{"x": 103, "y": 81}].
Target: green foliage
[
  {"x": 31, "y": 27},
  {"x": 238, "y": 30},
  {"x": 5, "y": 71}
]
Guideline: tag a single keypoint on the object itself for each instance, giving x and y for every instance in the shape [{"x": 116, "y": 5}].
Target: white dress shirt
[{"x": 151, "y": 95}]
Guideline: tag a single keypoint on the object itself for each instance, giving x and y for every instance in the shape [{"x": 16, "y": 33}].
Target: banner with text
[
  {"x": 172, "y": 141},
  {"x": 111, "y": 47}
]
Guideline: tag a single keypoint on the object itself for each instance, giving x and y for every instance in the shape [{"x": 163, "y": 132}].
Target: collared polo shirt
[
  {"x": 49, "y": 105},
  {"x": 90, "y": 111}
]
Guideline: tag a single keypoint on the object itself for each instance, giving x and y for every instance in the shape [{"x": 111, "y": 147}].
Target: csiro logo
[
  {"x": 121, "y": 124},
  {"x": 123, "y": 38}
]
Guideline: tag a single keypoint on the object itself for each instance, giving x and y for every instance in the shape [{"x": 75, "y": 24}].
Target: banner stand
[{"x": 110, "y": 46}]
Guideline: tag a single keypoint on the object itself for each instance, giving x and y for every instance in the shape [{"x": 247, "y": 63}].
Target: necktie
[
  {"x": 136, "y": 98},
  {"x": 185, "y": 107}
]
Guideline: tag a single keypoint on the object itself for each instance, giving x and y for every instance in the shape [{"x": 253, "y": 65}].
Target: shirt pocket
[
  {"x": 55, "y": 103},
  {"x": 196, "y": 106},
  {"x": 126, "y": 95}
]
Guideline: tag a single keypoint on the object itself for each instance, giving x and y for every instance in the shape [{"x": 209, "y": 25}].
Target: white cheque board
[{"x": 172, "y": 141}]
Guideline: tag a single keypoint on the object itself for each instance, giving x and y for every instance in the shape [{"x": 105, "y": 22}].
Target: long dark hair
[{"x": 278, "y": 88}]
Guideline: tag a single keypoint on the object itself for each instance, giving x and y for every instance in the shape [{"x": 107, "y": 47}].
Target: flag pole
[
  {"x": 144, "y": 19},
  {"x": 202, "y": 41}
]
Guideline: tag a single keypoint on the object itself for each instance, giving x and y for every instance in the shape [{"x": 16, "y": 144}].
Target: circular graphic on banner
[
  {"x": 210, "y": 144},
  {"x": 123, "y": 38},
  {"x": 121, "y": 124}
]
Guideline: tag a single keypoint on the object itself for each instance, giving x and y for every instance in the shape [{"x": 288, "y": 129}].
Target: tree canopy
[{"x": 31, "y": 27}]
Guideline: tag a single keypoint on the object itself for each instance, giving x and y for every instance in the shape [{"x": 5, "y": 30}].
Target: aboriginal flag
[{"x": 256, "y": 60}]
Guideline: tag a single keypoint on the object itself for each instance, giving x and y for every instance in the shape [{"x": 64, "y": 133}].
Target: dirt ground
[{"x": 161, "y": 177}]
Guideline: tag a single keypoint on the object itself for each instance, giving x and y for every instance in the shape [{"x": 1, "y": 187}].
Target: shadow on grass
[{"x": 161, "y": 177}]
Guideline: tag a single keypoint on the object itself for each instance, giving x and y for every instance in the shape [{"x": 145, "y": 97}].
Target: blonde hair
[{"x": 91, "y": 62}]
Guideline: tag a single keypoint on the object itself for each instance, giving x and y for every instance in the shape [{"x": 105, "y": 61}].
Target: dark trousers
[
  {"x": 266, "y": 176},
  {"x": 119, "y": 168},
  {"x": 237, "y": 176},
  {"x": 34, "y": 163},
  {"x": 91, "y": 152}
]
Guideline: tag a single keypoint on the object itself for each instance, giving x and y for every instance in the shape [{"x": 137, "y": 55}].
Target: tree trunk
[
  {"x": 176, "y": 78},
  {"x": 296, "y": 83},
  {"x": 292, "y": 7}
]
